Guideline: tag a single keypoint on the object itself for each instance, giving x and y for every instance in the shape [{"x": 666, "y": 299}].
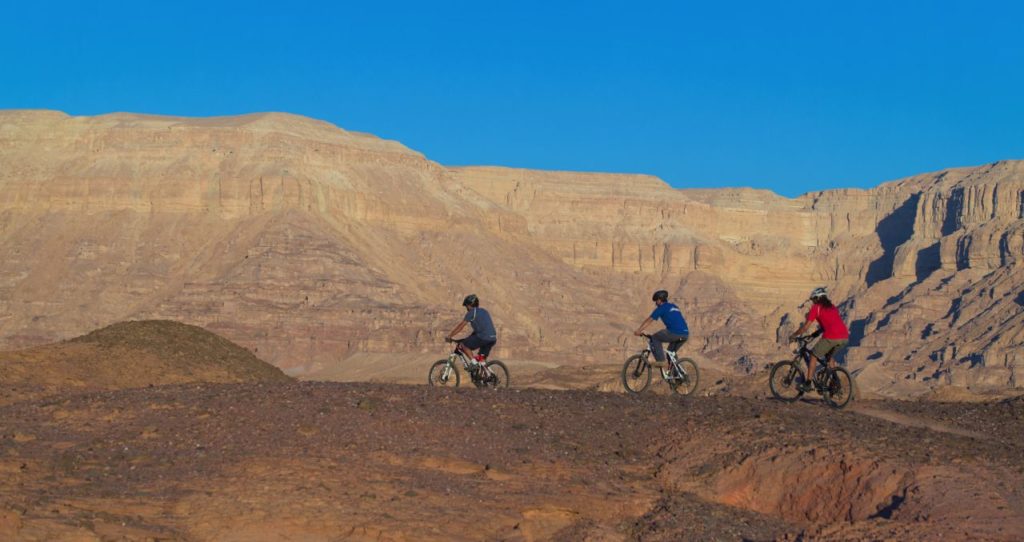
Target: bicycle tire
[
  {"x": 501, "y": 375},
  {"x": 838, "y": 391},
  {"x": 783, "y": 381},
  {"x": 636, "y": 374},
  {"x": 687, "y": 384},
  {"x": 436, "y": 375}
]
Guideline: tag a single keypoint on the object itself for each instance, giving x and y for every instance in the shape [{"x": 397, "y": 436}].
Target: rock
[{"x": 319, "y": 248}]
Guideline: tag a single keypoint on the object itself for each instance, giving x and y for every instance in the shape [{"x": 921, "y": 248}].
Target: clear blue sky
[{"x": 789, "y": 96}]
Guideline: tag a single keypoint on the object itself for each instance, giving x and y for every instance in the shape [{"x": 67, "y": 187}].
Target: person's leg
[
  {"x": 836, "y": 347},
  {"x": 809, "y": 377},
  {"x": 822, "y": 352},
  {"x": 469, "y": 344},
  {"x": 466, "y": 351},
  {"x": 485, "y": 350},
  {"x": 657, "y": 349},
  {"x": 675, "y": 341}
]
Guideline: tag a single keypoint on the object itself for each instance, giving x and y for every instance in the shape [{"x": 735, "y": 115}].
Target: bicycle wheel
[
  {"x": 685, "y": 382},
  {"x": 838, "y": 388},
  {"x": 443, "y": 374},
  {"x": 784, "y": 380},
  {"x": 636, "y": 374},
  {"x": 499, "y": 377}
]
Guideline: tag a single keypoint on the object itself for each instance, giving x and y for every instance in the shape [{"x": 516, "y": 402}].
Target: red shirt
[{"x": 830, "y": 321}]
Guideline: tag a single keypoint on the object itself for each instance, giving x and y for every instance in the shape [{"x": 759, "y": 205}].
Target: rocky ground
[{"x": 346, "y": 461}]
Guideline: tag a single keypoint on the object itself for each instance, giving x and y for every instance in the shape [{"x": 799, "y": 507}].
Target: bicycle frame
[
  {"x": 804, "y": 353},
  {"x": 458, "y": 354},
  {"x": 467, "y": 363},
  {"x": 673, "y": 358}
]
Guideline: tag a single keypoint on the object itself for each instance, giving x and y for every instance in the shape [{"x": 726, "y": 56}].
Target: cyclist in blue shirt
[{"x": 675, "y": 325}]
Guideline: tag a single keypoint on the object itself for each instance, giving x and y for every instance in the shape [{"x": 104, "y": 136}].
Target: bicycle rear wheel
[
  {"x": 784, "y": 379},
  {"x": 838, "y": 388},
  {"x": 443, "y": 374},
  {"x": 499, "y": 377},
  {"x": 636, "y": 374},
  {"x": 686, "y": 381}
]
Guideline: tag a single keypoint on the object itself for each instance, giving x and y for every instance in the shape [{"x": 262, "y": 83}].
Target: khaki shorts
[{"x": 827, "y": 347}]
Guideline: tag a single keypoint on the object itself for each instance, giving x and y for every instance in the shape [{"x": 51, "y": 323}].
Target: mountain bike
[
  {"x": 681, "y": 374},
  {"x": 834, "y": 384},
  {"x": 445, "y": 372}
]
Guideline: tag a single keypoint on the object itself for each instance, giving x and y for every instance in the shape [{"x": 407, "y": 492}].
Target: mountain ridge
[{"x": 312, "y": 246}]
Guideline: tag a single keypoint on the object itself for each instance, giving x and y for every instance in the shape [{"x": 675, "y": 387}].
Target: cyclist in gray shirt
[{"x": 484, "y": 335}]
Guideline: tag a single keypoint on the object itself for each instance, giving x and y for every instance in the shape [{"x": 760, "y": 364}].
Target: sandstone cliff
[{"x": 310, "y": 244}]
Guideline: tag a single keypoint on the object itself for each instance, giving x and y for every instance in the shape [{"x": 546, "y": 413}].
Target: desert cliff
[{"x": 312, "y": 245}]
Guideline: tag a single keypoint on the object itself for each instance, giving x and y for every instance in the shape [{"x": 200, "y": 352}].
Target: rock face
[{"x": 309, "y": 244}]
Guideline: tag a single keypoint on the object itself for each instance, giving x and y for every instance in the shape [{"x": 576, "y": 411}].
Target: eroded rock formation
[{"x": 309, "y": 244}]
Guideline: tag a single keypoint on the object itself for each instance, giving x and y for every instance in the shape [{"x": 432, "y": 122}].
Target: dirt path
[{"x": 913, "y": 421}]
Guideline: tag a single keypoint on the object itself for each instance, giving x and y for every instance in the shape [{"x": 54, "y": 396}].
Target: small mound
[{"x": 130, "y": 355}]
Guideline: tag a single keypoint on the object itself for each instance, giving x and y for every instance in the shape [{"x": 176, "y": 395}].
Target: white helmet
[{"x": 818, "y": 293}]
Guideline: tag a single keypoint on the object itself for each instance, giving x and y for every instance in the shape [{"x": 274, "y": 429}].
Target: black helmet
[
  {"x": 471, "y": 301},
  {"x": 660, "y": 295}
]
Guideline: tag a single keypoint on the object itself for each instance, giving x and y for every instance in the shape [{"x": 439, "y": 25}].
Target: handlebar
[{"x": 803, "y": 341}]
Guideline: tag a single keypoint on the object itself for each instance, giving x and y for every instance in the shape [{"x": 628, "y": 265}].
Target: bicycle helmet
[
  {"x": 660, "y": 295},
  {"x": 819, "y": 293},
  {"x": 471, "y": 301}
]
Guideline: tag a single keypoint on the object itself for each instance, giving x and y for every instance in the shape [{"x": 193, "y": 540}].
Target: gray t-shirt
[{"x": 483, "y": 327}]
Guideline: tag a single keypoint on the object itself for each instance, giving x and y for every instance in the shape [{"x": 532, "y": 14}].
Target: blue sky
[{"x": 789, "y": 96}]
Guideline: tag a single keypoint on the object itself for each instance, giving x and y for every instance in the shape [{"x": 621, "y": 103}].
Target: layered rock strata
[{"x": 309, "y": 244}]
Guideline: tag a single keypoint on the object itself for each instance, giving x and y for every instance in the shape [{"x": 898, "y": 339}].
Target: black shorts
[{"x": 473, "y": 342}]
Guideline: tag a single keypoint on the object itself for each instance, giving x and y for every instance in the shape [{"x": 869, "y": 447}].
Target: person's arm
[
  {"x": 801, "y": 330},
  {"x": 803, "y": 327},
  {"x": 640, "y": 330},
  {"x": 458, "y": 328}
]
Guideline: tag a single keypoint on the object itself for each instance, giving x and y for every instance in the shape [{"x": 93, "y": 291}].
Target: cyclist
[
  {"x": 483, "y": 337},
  {"x": 834, "y": 335},
  {"x": 675, "y": 325}
]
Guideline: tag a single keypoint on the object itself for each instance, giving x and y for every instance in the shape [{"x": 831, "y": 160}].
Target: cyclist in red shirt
[{"x": 834, "y": 335}]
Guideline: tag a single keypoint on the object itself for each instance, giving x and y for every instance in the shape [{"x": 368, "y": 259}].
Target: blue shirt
[
  {"x": 672, "y": 317},
  {"x": 483, "y": 327}
]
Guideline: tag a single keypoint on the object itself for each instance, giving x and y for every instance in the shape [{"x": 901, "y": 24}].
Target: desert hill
[
  {"x": 130, "y": 355},
  {"x": 317, "y": 248}
]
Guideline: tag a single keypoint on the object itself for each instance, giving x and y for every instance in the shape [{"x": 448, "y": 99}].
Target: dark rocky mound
[
  {"x": 130, "y": 355},
  {"x": 185, "y": 348}
]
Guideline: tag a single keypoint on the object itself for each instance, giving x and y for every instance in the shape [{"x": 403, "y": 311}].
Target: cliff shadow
[
  {"x": 928, "y": 261},
  {"x": 893, "y": 230},
  {"x": 954, "y": 208}
]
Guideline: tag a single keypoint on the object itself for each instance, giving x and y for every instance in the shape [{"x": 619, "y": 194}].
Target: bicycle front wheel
[
  {"x": 499, "y": 377},
  {"x": 443, "y": 374},
  {"x": 636, "y": 374},
  {"x": 838, "y": 388},
  {"x": 784, "y": 381},
  {"x": 684, "y": 380}
]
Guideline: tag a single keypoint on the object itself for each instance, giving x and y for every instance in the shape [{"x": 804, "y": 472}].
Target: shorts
[
  {"x": 474, "y": 341},
  {"x": 828, "y": 347}
]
